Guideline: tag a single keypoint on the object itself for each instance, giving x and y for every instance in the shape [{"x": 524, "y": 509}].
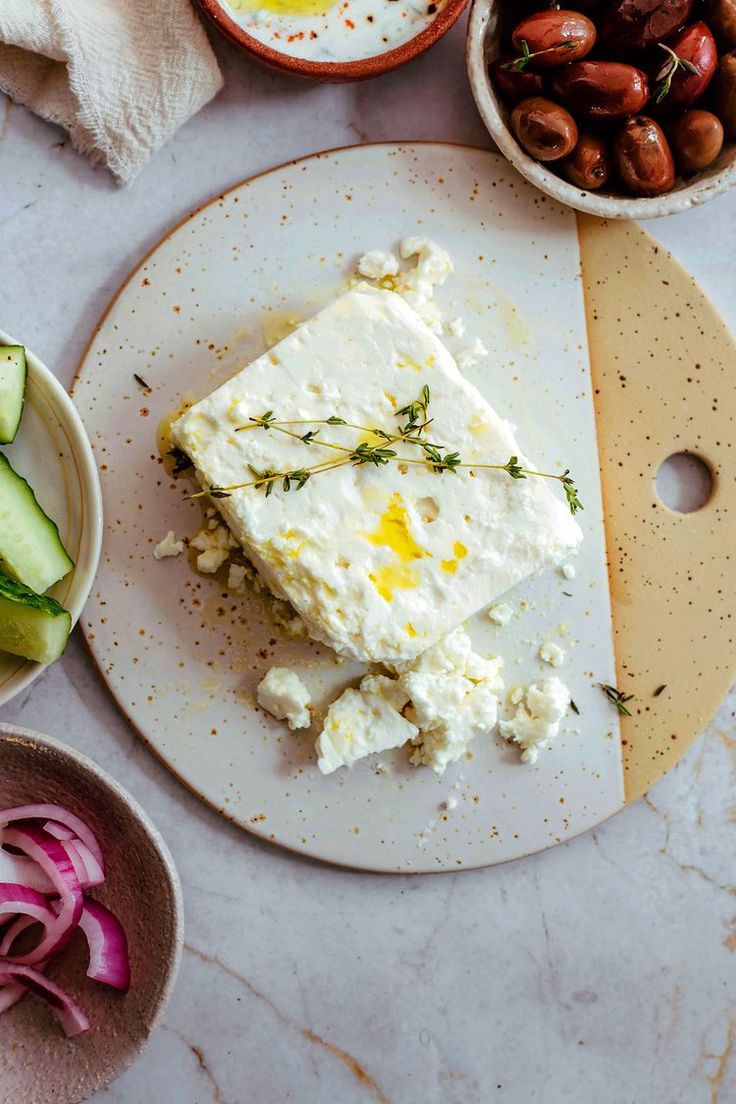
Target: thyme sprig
[
  {"x": 182, "y": 462},
  {"x": 435, "y": 457},
  {"x": 519, "y": 64},
  {"x": 670, "y": 68},
  {"x": 618, "y": 698}
]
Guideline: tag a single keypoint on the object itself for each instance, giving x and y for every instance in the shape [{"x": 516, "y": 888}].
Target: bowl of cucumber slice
[{"x": 50, "y": 517}]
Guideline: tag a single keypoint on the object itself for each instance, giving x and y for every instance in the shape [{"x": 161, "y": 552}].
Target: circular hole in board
[{"x": 684, "y": 482}]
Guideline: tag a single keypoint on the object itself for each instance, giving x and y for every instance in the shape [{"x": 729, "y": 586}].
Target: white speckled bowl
[
  {"x": 53, "y": 453},
  {"x": 38, "y": 1064},
  {"x": 483, "y": 47}
]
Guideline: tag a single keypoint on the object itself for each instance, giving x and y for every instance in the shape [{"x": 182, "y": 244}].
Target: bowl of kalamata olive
[{"x": 621, "y": 108}]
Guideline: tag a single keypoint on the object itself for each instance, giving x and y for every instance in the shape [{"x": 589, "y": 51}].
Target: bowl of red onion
[{"x": 91, "y": 923}]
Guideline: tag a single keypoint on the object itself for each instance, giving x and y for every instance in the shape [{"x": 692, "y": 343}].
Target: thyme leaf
[{"x": 618, "y": 698}]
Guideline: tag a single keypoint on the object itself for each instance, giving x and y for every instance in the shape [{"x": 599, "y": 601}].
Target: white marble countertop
[{"x": 601, "y": 972}]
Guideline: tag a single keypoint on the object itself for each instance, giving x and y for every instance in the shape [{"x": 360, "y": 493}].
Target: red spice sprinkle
[
  {"x": 312, "y": 34},
  {"x": 349, "y": 23}
]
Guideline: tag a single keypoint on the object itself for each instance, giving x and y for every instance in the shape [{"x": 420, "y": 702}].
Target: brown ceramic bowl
[
  {"x": 38, "y": 1063},
  {"x": 332, "y": 71}
]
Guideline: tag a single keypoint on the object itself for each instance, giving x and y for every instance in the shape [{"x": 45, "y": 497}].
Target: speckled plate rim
[
  {"x": 693, "y": 194},
  {"x": 90, "y": 535},
  {"x": 333, "y": 71},
  {"x": 11, "y": 733}
]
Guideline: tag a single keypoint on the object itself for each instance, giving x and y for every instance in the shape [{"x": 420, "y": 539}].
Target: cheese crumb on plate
[
  {"x": 501, "y": 614},
  {"x": 551, "y": 652},
  {"x": 536, "y": 721},
  {"x": 169, "y": 546},
  {"x": 283, "y": 694}
]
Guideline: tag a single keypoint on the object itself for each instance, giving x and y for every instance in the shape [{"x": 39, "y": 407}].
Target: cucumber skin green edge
[
  {"x": 48, "y": 610},
  {"x": 65, "y": 559},
  {"x": 8, "y": 436}
]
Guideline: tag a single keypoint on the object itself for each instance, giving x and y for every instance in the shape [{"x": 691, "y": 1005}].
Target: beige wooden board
[{"x": 664, "y": 371}]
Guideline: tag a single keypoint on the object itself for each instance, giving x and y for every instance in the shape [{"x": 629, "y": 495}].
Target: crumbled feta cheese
[
  {"x": 470, "y": 358},
  {"x": 416, "y": 286},
  {"x": 456, "y": 327},
  {"x": 219, "y": 537},
  {"x": 569, "y": 571},
  {"x": 454, "y": 698},
  {"x": 376, "y": 264},
  {"x": 440, "y": 701},
  {"x": 387, "y": 688},
  {"x": 283, "y": 694},
  {"x": 236, "y": 578},
  {"x": 357, "y": 724},
  {"x": 286, "y": 619},
  {"x": 501, "y": 614},
  {"x": 537, "y": 718},
  {"x": 214, "y": 547},
  {"x": 433, "y": 262},
  {"x": 211, "y": 560},
  {"x": 552, "y": 653},
  {"x": 169, "y": 546}
]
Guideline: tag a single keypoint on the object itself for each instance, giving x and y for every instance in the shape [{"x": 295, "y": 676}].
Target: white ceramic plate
[
  {"x": 53, "y": 453},
  {"x": 183, "y": 657}
]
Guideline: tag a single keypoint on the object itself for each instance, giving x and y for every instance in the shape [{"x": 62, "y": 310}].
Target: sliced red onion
[
  {"x": 13, "y": 930},
  {"x": 19, "y": 899},
  {"x": 24, "y": 871},
  {"x": 58, "y": 831},
  {"x": 108, "y": 946},
  {"x": 75, "y": 859},
  {"x": 88, "y": 869},
  {"x": 59, "y": 815},
  {"x": 55, "y": 862},
  {"x": 71, "y": 1016}
]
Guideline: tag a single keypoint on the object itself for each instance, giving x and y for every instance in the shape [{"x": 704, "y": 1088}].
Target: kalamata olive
[
  {"x": 721, "y": 17},
  {"x": 553, "y": 37},
  {"x": 588, "y": 166},
  {"x": 725, "y": 95},
  {"x": 513, "y": 84},
  {"x": 601, "y": 89},
  {"x": 696, "y": 139},
  {"x": 643, "y": 157},
  {"x": 639, "y": 24},
  {"x": 545, "y": 129},
  {"x": 690, "y": 61}
]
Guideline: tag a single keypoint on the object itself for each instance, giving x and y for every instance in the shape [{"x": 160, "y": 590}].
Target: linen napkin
[{"x": 121, "y": 76}]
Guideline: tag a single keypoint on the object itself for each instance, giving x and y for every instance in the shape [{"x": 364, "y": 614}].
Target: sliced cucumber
[
  {"x": 12, "y": 390},
  {"x": 31, "y": 551},
  {"x": 30, "y": 624}
]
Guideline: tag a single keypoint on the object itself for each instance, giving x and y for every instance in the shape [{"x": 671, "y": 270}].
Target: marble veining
[{"x": 601, "y": 972}]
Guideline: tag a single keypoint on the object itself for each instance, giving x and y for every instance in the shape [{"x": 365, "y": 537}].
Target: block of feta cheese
[{"x": 379, "y": 560}]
